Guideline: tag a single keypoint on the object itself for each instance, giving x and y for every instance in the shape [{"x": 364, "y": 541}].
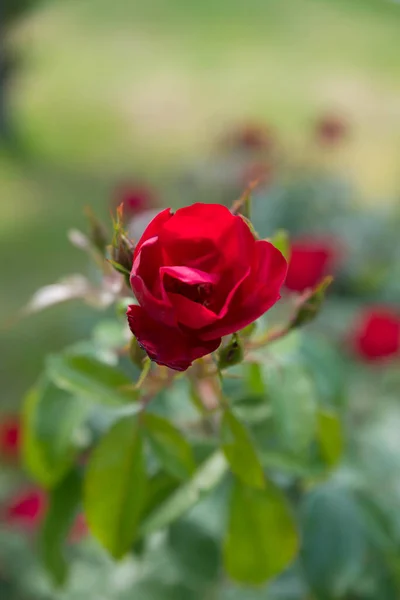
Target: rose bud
[
  {"x": 331, "y": 129},
  {"x": 122, "y": 252},
  {"x": 376, "y": 336},
  {"x": 309, "y": 303},
  {"x": 121, "y": 247},
  {"x": 135, "y": 199},
  {"x": 232, "y": 354},
  {"x": 199, "y": 274},
  {"x": 310, "y": 260},
  {"x": 10, "y": 437}
]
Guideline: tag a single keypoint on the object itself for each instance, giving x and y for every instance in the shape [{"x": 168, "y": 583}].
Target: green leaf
[
  {"x": 281, "y": 241},
  {"x": 195, "y": 399},
  {"x": 248, "y": 331},
  {"x": 118, "y": 267},
  {"x": 334, "y": 544},
  {"x": 90, "y": 378},
  {"x": 327, "y": 366},
  {"x": 187, "y": 495},
  {"x": 51, "y": 418},
  {"x": 255, "y": 379},
  {"x": 63, "y": 504},
  {"x": 261, "y": 539},
  {"x": 330, "y": 437},
  {"x": 253, "y": 409},
  {"x": 115, "y": 487},
  {"x": 160, "y": 487},
  {"x": 293, "y": 402},
  {"x": 110, "y": 334},
  {"x": 195, "y": 550},
  {"x": 172, "y": 449},
  {"x": 240, "y": 452}
]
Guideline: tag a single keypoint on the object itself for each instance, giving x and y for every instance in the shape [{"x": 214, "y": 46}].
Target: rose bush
[{"x": 199, "y": 274}]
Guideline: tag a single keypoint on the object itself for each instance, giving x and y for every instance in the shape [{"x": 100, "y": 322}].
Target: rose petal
[
  {"x": 269, "y": 268},
  {"x": 167, "y": 346},
  {"x": 145, "y": 283},
  {"x": 191, "y": 314},
  {"x": 153, "y": 229},
  {"x": 202, "y": 255},
  {"x": 259, "y": 291},
  {"x": 188, "y": 312},
  {"x": 199, "y": 222},
  {"x": 237, "y": 246},
  {"x": 208, "y": 237},
  {"x": 159, "y": 310},
  {"x": 147, "y": 263},
  {"x": 190, "y": 275}
]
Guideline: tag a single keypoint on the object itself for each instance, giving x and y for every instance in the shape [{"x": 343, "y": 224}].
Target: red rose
[
  {"x": 377, "y": 334},
  {"x": 26, "y": 509},
  {"x": 310, "y": 260},
  {"x": 10, "y": 437},
  {"x": 199, "y": 274}
]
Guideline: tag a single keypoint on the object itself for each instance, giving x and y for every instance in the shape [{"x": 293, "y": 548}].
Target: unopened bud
[
  {"x": 122, "y": 252},
  {"x": 231, "y": 354},
  {"x": 122, "y": 247},
  {"x": 310, "y": 304}
]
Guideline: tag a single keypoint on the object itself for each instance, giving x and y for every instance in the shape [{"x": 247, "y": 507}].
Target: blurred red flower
[
  {"x": 331, "y": 129},
  {"x": 310, "y": 260},
  {"x": 26, "y": 509},
  {"x": 135, "y": 198},
  {"x": 376, "y": 335},
  {"x": 10, "y": 437},
  {"x": 199, "y": 274}
]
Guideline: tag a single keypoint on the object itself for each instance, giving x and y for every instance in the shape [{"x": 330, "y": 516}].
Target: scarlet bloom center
[{"x": 201, "y": 293}]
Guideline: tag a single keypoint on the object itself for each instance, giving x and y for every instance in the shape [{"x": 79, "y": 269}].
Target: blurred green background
[{"x": 109, "y": 90}]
